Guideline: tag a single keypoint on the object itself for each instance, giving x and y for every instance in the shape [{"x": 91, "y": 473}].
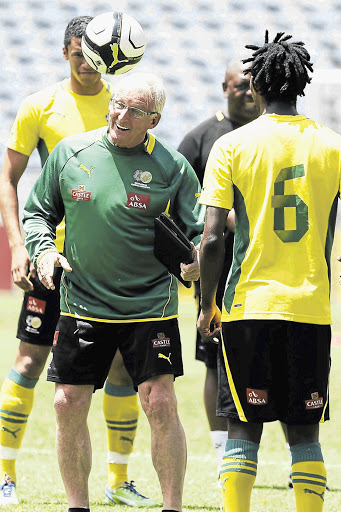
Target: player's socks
[
  {"x": 121, "y": 412},
  {"x": 219, "y": 438},
  {"x": 16, "y": 402},
  {"x": 238, "y": 474},
  {"x": 308, "y": 477}
]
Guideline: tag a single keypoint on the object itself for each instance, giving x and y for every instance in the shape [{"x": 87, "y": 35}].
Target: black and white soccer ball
[{"x": 113, "y": 43}]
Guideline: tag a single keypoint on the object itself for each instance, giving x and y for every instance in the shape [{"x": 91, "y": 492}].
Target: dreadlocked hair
[{"x": 279, "y": 68}]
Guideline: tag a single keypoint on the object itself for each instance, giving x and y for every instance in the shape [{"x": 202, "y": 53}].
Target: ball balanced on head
[{"x": 113, "y": 43}]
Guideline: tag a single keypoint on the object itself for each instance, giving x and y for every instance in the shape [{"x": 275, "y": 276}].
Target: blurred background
[{"x": 188, "y": 44}]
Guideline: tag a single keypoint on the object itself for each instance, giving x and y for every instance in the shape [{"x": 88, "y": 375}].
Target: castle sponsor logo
[
  {"x": 139, "y": 201},
  {"x": 81, "y": 194},
  {"x": 36, "y": 305},
  {"x": 315, "y": 402},
  {"x": 142, "y": 178},
  {"x": 55, "y": 338},
  {"x": 161, "y": 341},
  {"x": 257, "y": 396}
]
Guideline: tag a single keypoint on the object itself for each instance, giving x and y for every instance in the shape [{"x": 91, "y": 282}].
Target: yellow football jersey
[
  {"x": 281, "y": 174},
  {"x": 49, "y": 115}
]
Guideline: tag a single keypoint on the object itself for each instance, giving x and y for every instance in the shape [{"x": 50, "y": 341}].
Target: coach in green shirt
[{"x": 110, "y": 184}]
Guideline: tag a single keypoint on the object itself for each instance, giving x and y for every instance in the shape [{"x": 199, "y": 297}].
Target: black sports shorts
[
  {"x": 278, "y": 370},
  {"x": 40, "y": 312},
  {"x": 224, "y": 396},
  {"x": 83, "y": 350}
]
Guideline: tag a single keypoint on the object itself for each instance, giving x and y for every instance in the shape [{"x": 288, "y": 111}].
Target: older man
[
  {"x": 110, "y": 184},
  {"x": 76, "y": 104}
]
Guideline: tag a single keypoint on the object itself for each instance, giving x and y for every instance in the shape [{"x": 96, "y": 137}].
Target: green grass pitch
[{"x": 40, "y": 488}]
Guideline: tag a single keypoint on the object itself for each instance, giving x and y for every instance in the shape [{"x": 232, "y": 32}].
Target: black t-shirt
[{"x": 197, "y": 144}]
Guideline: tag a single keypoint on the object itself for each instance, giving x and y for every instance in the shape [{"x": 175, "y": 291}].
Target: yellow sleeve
[
  {"x": 218, "y": 187},
  {"x": 24, "y": 136}
]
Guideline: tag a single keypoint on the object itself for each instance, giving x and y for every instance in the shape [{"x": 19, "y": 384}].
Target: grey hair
[{"x": 147, "y": 83}]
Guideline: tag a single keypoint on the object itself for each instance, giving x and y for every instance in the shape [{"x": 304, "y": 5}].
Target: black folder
[{"x": 172, "y": 247}]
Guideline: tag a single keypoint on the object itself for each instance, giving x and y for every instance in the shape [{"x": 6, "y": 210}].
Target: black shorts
[
  {"x": 278, "y": 370},
  {"x": 225, "y": 401},
  {"x": 40, "y": 312},
  {"x": 83, "y": 350}
]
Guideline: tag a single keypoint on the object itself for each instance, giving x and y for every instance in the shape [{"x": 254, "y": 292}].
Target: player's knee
[
  {"x": 31, "y": 365},
  {"x": 70, "y": 401},
  {"x": 159, "y": 404},
  {"x": 299, "y": 434}
]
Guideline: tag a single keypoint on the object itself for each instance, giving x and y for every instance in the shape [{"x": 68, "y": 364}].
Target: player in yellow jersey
[
  {"x": 281, "y": 173},
  {"x": 76, "y": 104}
]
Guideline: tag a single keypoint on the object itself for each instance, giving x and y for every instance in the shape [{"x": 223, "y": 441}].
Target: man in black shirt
[{"x": 196, "y": 146}]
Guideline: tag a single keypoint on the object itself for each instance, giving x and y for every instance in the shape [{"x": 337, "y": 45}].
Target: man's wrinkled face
[{"x": 125, "y": 130}]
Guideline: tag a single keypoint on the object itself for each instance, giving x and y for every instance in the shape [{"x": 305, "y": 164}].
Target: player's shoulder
[
  {"x": 169, "y": 158},
  {"x": 203, "y": 125},
  {"x": 43, "y": 96},
  {"x": 72, "y": 144},
  {"x": 240, "y": 133},
  {"x": 217, "y": 120},
  {"x": 329, "y": 132},
  {"x": 164, "y": 150}
]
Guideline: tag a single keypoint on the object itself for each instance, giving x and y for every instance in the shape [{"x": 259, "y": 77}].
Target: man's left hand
[{"x": 191, "y": 271}]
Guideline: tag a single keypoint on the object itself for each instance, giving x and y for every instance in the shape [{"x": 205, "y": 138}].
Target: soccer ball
[{"x": 113, "y": 43}]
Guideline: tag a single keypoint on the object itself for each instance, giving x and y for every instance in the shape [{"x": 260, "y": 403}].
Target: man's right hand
[
  {"x": 209, "y": 324},
  {"x": 22, "y": 267}
]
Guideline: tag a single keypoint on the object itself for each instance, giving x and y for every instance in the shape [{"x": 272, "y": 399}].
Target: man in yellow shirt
[
  {"x": 281, "y": 174},
  {"x": 74, "y": 105}
]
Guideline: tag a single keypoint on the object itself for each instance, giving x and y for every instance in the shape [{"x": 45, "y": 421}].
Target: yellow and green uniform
[
  {"x": 110, "y": 197},
  {"x": 49, "y": 115},
  {"x": 284, "y": 193}
]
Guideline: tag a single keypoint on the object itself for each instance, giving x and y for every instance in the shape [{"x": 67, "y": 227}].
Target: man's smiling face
[{"x": 125, "y": 130}]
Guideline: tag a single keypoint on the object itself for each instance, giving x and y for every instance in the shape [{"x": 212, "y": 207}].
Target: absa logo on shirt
[{"x": 140, "y": 201}]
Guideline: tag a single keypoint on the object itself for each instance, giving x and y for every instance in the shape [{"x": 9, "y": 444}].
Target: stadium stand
[{"x": 188, "y": 44}]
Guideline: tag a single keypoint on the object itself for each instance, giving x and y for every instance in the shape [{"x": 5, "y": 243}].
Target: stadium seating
[{"x": 189, "y": 43}]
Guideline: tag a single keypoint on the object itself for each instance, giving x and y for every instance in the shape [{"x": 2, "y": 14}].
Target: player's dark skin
[{"x": 211, "y": 258}]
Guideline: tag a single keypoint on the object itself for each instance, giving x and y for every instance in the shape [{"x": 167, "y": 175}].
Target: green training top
[{"x": 110, "y": 197}]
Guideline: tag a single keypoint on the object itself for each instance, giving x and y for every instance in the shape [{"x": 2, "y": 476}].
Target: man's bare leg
[
  {"x": 169, "y": 452},
  {"x": 72, "y": 405}
]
